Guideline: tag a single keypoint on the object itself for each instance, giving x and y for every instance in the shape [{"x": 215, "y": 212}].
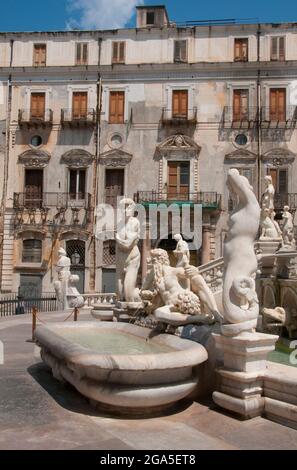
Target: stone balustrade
[{"x": 93, "y": 299}]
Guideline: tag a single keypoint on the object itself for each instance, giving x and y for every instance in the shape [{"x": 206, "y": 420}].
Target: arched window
[{"x": 32, "y": 251}]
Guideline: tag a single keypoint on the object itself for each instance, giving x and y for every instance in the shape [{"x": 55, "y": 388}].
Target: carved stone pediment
[
  {"x": 34, "y": 158},
  {"x": 77, "y": 158},
  {"x": 178, "y": 144},
  {"x": 279, "y": 157},
  {"x": 240, "y": 156},
  {"x": 115, "y": 158}
]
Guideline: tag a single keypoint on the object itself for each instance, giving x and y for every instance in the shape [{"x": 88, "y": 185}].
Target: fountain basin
[{"x": 115, "y": 365}]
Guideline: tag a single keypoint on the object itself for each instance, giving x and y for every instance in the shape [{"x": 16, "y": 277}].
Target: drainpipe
[
  {"x": 259, "y": 111},
  {"x": 96, "y": 166},
  {"x": 6, "y": 159}
]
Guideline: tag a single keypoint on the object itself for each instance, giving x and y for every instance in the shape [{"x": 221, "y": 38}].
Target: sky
[{"x": 48, "y": 15}]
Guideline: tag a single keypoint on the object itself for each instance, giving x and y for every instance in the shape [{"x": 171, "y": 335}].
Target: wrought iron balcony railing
[
  {"x": 282, "y": 118},
  {"x": 83, "y": 117},
  {"x": 285, "y": 199},
  {"x": 244, "y": 118},
  {"x": 206, "y": 199},
  {"x": 170, "y": 118},
  {"x": 51, "y": 200},
  {"x": 266, "y": 117},
  {"x": 29, "y": 118}
]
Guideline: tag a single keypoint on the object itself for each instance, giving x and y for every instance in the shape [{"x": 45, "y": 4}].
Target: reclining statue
[{"x": 170, "y": 302}]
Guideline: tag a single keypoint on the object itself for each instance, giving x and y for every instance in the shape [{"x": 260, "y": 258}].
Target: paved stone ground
[{"x": 37, "y": 412}]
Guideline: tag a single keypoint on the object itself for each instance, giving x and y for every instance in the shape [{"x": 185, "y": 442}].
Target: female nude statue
[
  {"x": 240, "y": 301},
  {"x": 127, "y": 253}
]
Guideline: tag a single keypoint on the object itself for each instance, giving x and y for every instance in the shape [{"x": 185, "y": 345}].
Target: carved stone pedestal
[
  {"x": 267, "y": 249},
  {"x": 240, "y": 381},
  {"x": 127, "y": 311},
  {"x": 103, "y": 312}
]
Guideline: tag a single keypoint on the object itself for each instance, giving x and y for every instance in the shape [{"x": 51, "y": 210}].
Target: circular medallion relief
[{"x": 116, "y": 140}]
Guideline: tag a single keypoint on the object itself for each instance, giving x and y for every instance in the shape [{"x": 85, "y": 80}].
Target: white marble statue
[
  {"x": 289, "y": 242},
  {"x": 240, "y": 301},
  {"x": 127, "y": 253},
  {"x": 267, "y": 201},
  {"x": 182, "y": 254},
  {"x": 171, "y": 303},
  {"x": 270, "y": 229},
  {"x": 67, "y": 294}
]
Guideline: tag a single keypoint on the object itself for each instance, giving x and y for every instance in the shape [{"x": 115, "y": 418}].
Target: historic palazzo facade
[{"x": 158, "y": 113}]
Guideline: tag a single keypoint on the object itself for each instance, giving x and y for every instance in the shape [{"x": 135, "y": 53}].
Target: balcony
[
  {"x": 285, "y": 199},
  {"x": 245, "y": 119},
  {"x": 208, "y": 200},
  {"x": 85, "y": 118},
  {"x": 47, "y": 200},
  {"x": 168, "y": 119},
  {"x": 28, "y": 119},
  {"x": 280, "y": 119}
]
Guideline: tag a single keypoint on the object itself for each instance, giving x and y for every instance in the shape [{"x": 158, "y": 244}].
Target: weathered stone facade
[{"x": 101, "y": 155}]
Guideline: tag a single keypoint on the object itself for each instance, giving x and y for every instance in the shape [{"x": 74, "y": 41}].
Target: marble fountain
[
  {"x": 115, "y": 364},
  {"x": 188, "y": 343}
]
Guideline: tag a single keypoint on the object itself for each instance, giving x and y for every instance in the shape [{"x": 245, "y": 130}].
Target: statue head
[
  {"x": 62, "y": 252},
  {"x": 286, "y": 209},
  {"x": 268, "y": 180},
  {"x": 159, "y": 256},
  {"x": 177, "y": 237},
  {"x": 127, "y": 206}
]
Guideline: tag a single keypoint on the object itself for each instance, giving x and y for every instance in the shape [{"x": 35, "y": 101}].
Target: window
[
  {"x": 114, "y": 185},
  {"x": 180, "y": 104},
  {"x": 277, "y": 109},
  {"x": 81, "y": 53},
  {"x": 32, "y": 251},
  {"x": 150, "y": 17},
  {"x": 118, "y": 52},
  {"x": 279, "y": 179},
  {"x": 178, "y": 180},
  {"x": 36, "y": 141},
  {"x": 33, "y": 188},
  {"x": 37, "y": 109},
  {"x": 241, "y": 139},
  {"x": 241, "y": 49},
  {"x": 39, "y": 55},
  {"x": 109, "y": 253},
  {"x": 79, "y": 105},
  {"x": 278, "y": 48},
  {"x": 77, "y": 184},
  {"x": 180, "y": 51},
  {"x": 240, "y": 104},
  {"x": 116, "y": 107}
]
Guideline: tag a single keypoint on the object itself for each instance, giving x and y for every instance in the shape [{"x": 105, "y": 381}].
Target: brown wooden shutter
[
  {"x": 39, "y": 59},
  {"x": 274, "y": 48},
  {"x": 122, "y": 51},
  {"x": 180, "y": 103},
  {"x": 85, "y": 54},
  {"x": 116, "y": 107},
  {"x": 118, "y": 52},
  {"x": 236, "y": 105},
  {"x": 281, "y": 45},
  {"x": 277, "y": 104},
  {"x": 78, "y": 53},
  {"x": 79, "y": 105},
  {"x": 38, "y": 105},
  {"x": 240, "y": 105},
  {"x": 180, "y": 51},
  {"x": 237, "y": 49}
]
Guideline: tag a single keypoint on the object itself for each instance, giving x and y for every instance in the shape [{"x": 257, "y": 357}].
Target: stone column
[
  {"x": 206, "y": 232},
  {"x": 146, "y": 248}
]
